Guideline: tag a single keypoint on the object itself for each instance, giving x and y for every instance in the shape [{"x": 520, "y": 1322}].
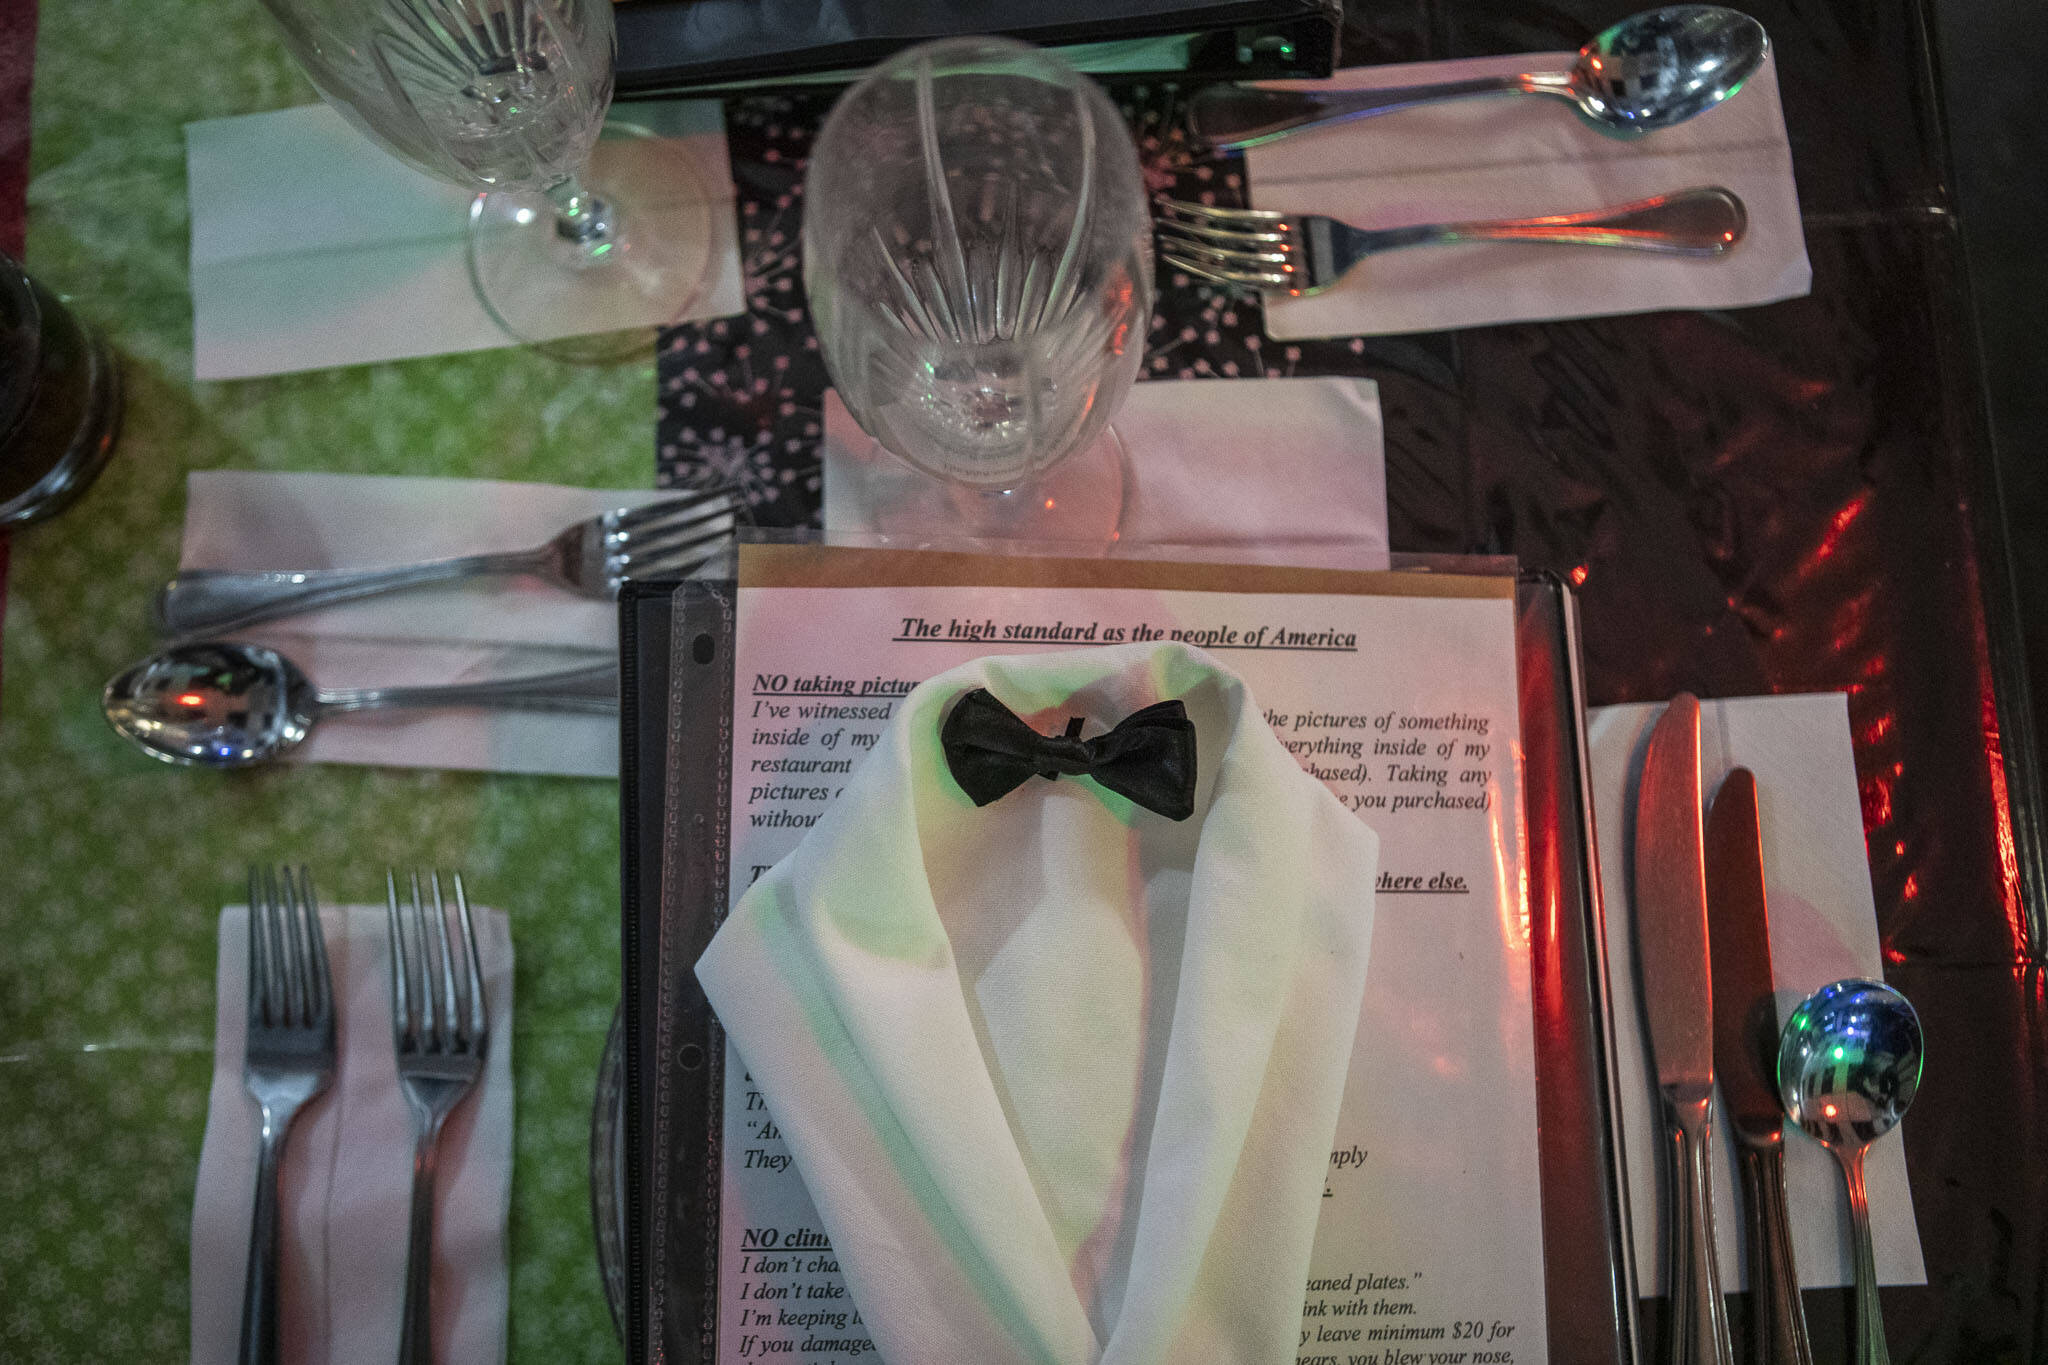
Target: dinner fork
[
  {"x": 287, "y": 1059},
  {"x": 1305, "y": 253},
  {"x": 591, "y": 558},
  {"x": 440, "y": 1029}
]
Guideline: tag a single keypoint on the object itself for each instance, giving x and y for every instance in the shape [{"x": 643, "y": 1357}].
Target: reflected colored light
[
  {"x": 1828, "y": 1109},
  {"x": 192, "y": 699}
]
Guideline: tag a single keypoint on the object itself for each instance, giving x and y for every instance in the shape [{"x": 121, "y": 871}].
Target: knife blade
[
  {"x": 1670, "y": 904},
  {"x": 1745, "y": 1053}
]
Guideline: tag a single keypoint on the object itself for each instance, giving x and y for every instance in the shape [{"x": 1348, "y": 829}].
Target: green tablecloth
[{"x": 112, "y": 867}]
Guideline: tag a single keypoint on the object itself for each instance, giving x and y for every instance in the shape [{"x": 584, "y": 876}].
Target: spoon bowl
[
  {"x": 223, "y": 705},
  {"x": 1664, "y": 66},
  {"x": 1848, "y": 1068},
  {"x": 1849, "y": 1063}
]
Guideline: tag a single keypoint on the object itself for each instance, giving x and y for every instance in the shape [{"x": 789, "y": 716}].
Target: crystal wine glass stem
[{"x": 581, "y": 217}]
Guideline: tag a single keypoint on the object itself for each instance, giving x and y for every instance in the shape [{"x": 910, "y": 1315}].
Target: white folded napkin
[
  {"x": 1823, "y": 926},
  {"x": 1282, "y": 470},
  {"x": 1061, "y": 1074},
  {"x": 347, "y": 1172},
  {"x": 239, "y": 519},
  {"x": 1514, "y": 156},
  {"x": 313, "y": 246}
]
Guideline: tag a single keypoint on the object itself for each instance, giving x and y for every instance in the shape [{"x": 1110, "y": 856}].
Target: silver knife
[
  {"x": 1746, "y": 1063},
  {"x": 1671, "y": 951}
]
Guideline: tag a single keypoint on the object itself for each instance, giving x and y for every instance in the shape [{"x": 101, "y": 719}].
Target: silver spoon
[
  {"x": 1848, "y": 1066},
  {"x": 1647, "y": 72},
  {"x": 227, "y": 705}
]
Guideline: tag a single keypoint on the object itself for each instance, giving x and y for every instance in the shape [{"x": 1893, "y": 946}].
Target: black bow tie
[{"x": 1149, "y": 757}]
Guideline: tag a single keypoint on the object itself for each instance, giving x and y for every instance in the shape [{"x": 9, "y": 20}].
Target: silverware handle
[
  {"x": 1231, "y": 118},
  {"x": 593, "y": 689},
  {"x": 210, "y": 601},
  {"x": 416, "y": 1320},
  {"x": 1706, "y": 220},
  {"x": 1870, "y": 1342},
  {"x": 259, "y": 1287},
  {"x": 1699, "y": 1316},
  {"x": 1777, "y": 1322}
]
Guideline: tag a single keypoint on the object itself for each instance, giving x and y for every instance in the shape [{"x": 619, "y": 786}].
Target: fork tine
[
  {"x": 323, "y": 980},
  {"x": 450, "y": 1018},
  {"x": 1224, "y": 255},
  {"x": 298, "y": 958},
  {"x": 1225, "y": 275},
  {"x": 401, "y": 1005},
  {"x": 276, "y": 966},
  {"x": 259, "y": 981},
  {"x": 633, "y": 518},
  {"x": 422, "y": 970},
  {"x": 1211, "y": 212},
  {"x": 477, "y": 1019}
]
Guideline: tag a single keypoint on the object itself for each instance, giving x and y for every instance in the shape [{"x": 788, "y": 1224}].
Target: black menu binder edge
[{"x": 677, "y": 678}]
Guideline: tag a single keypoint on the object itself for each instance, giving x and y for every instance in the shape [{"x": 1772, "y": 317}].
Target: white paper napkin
[
  {"x": 1061, "y": 1074},
  {"x": 238, "y": 519},
  {"x": 347, "y": 1172},
  {"x": 1823, "y": 926},
  {"x": 1514, "y": 156},
  {"x": 1286, "y": 470},
  {"x": 312, "y": 246}
]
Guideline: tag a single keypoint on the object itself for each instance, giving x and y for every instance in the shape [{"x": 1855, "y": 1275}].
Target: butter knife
[
  {"x": 1671, "y": 952},
  {"x": 1745, "y": 1062}
]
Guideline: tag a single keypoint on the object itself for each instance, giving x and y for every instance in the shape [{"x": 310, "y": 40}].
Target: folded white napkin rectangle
[
  {"x": 1285, "y": 470},
  {"x": 347, "y": 1171},
  {"x": 313, "y": 246},
  {"x": 1061, "y": 1073},
  {"x": 1823, "y": 927},
  {"x": 1514, "y": 156},
  {"x": 496, "y": 627}
]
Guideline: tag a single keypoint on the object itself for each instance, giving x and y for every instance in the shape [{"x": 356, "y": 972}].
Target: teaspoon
[
  {"x": 1647, "y": 72},
  {"x": 1848, "y": 1066},
  {"x": 228, "y": 705}
]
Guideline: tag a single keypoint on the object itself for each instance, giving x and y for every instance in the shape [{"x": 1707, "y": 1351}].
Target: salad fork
[
  {"x": 1305, "y": 253},
  {"x": 591, "y": 558},
  {"x": 287, "y": 1059},
  {"x": 440, "y": 1029}
]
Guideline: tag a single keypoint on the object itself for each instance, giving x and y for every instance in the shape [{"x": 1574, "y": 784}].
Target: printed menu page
[{"x": 1397, "y": 690}]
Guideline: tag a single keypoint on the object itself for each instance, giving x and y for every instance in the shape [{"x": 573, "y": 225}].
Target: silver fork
[
  {"x": 288, "y": 1058},
  {"x": 591, "y": 558},
  {"x": 440, "y": 1029},
  {"x": 1305, "y": 253}
]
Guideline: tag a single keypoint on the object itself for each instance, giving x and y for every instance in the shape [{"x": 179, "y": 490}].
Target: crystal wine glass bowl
[
  {"x": 977, "y": 253},
  {"x": 570, "y": 235}
]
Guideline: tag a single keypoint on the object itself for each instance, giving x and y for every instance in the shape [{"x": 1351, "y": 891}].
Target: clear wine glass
[
  {"x": 978, "y": 255},
  {"x": 570, "y": 235}
]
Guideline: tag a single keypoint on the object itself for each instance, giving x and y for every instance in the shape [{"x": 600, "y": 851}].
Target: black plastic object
[{"x": 669, "y": 47}]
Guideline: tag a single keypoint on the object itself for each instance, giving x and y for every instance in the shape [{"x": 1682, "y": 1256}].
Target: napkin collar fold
[{"x": 905, "y": 1101}]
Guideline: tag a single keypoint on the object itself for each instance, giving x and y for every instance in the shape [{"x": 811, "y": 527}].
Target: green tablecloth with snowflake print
[{"x": 112, "y": 867}]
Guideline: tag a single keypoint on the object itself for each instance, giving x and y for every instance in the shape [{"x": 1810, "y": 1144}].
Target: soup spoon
[
  {"x": 1848, "y": 1066},
  {"x": 1649, "y": 71},
  {"x": 230, "y": 705}
]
